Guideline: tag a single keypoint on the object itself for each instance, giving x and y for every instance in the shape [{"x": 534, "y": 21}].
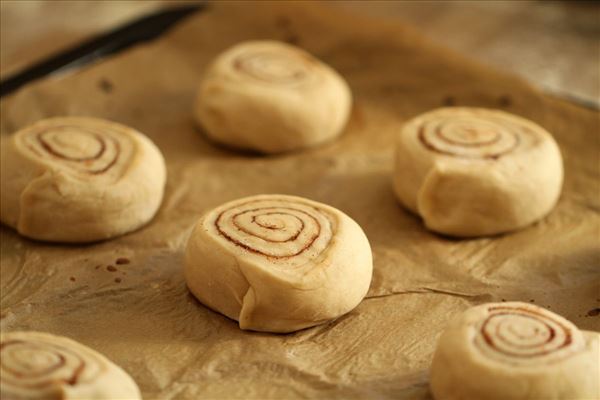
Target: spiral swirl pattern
[
  {"x": 280, "y": 229},
  {"x": 275, "y": 67},
  {"x": 476, "y": 136},
  {"x": 83, "y": 149},
  {"x": 520, "y": 335},
  {"x": 35, "y": 366}
]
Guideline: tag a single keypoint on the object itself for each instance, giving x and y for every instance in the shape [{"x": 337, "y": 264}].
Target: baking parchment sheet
[{"x": 142, "y": 316}]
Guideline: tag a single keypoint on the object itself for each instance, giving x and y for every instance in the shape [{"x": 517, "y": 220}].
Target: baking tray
[{"x": 176, "y": 348}]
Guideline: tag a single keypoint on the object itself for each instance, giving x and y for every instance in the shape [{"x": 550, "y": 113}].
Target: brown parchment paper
[{"x": 174, "y": 347}]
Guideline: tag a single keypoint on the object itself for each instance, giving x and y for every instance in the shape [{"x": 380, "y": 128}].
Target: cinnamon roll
[
  {"x": 78, "y": 179},
  {"x": 515, "y": 351},
  {"x": 471, "y": 171},
  {"x": 271, "y": 97},
  {"x": 42, "y": 366},
  {"x": 278, "y": 263}
]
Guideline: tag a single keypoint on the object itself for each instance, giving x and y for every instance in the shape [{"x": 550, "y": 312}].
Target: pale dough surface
[
  {"x": 42, "y": 366},
  {"x": 515, "y": 350},
  {"x": 473, "y": 171},
  {"x": 75, "y": 179},
  {"x": 278, "y": 263},
  {"x": 271, "y": 97}
]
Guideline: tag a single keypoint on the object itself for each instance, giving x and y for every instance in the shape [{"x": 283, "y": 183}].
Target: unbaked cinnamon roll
[
  {"x": 513, "y": 351},
  {"x": 79, "y": 179},
  {"x": 41, "y": 366},
  {"x": 271, "y": 97},
  {"x": 278, "y": 263},
  {"x": 471, "y": 171}
]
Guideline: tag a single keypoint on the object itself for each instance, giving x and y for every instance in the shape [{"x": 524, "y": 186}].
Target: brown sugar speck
[
  {"x": 503, "y": 299},
  {"x": 532, "y": 301},
  {"x": 111, "y": 268},
  {"x": 97, "y": 266},
  {"x": 594, "y": 312},
  {"x": 504, "y": 101},
  {"x": 448, "y": 101},
  {"x": 72, "y": 279},
  {"x": 105, "y": 85},
  {"x": 292, "y": 38},
  {"x": 122, "y": 260},
  {"x": 118, "y": 280}
]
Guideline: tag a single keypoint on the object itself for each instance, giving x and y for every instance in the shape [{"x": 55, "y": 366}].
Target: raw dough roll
[
  {"x": 278, "y": 263},
  {"x": 471, "y": 171},
  {"x": 271, "y": 97},
  {"x": 509, "y": 351},
  {"x": 41, "y": 366},
  {"x": 79, "y": 180}
]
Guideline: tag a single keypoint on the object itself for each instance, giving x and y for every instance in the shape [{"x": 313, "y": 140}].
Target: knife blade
[{"x": 140, "y": 30}]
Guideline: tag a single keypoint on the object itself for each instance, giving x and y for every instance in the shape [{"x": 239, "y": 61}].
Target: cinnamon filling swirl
[
  {"x": 275, "y": 229},
  {"x": 469, "y": 138},
  {"x": 523, "y": 335},
  {"x": 273, "y": 67}
]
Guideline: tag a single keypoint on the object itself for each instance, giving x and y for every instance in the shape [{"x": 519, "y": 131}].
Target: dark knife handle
[{"x": 141, "y": 30}]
